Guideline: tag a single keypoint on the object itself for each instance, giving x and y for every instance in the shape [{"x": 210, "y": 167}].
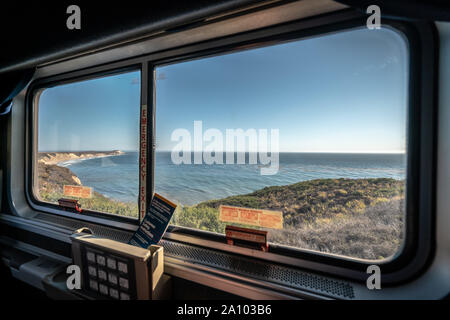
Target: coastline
[
  {"x": 67, "y": 163},
  {"x": 52, "y": 176},
  {"x": 56, "y": 158},
  {"x": 52, "y": 162}
]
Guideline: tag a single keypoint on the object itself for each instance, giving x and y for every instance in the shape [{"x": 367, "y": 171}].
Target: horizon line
[
  {"x": 344, "y": 152},
  {"x": 225, "y": 151}
]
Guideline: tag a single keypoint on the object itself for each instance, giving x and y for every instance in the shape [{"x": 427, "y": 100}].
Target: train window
[
  {"x": 312, "y": 130},
  {"x": 87, "y": 139}
]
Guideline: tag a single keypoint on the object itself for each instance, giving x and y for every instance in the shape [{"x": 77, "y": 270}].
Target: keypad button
[
  {"x": 123, "y": 283},
  {"x": 103, "y": 289},
  {"x": 102, "y": 275},
  {"x": 124, "y": 296},
  {"x": 101, "y": 260},
  {"x": 122, "y": 266},
  {"x": 93, "y": 285},
  {"x": 92, "y": 271},
  {"x": 90, "y": 256},
  {"x": 112, "y": 278},
  {"x": 111, "y": 263},
  {"x": 114, "y": 293}
]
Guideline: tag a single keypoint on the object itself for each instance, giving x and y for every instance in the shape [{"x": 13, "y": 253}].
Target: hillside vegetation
[
  {"x": 52, "y": 178},
  {"x": 361, "y": 218}
]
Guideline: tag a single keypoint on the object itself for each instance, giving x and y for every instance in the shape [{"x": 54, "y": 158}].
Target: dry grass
[
  {"x": 361, "y": 218},
  {"x": 373, "y": 234}
]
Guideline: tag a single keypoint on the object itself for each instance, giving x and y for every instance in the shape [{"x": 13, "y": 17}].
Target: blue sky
[
  {"x": 98, "y": 114},
  {"x": 344, "y": 92}
]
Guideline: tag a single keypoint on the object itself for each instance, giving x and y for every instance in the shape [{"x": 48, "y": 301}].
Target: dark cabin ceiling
[
  {"x": 30, "y": 32},
  {"x": 33, "y": 32}
]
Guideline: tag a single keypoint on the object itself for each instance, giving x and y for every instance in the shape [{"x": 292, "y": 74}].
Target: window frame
[
  {"x": 32, "y": 103},
  {"x": 418, "y": 244},
  {"x": 417, "y": 240}
]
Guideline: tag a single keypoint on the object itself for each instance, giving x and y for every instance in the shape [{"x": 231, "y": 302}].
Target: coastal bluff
[
  {"x": 52, "y": 177},
  {"x": 51, "y": 158}
]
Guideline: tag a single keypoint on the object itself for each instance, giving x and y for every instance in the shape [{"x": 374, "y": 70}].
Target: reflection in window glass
[
  {"x": 88, "y": 138},
  {"x": 322, "y": 143}
]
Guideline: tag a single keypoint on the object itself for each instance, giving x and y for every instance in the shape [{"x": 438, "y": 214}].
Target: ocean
[{"x": 117, "y": 177}]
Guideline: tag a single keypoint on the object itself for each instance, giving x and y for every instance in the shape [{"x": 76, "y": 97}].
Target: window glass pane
[
  {"x": 331, "y": 111},
  {"x": 88, "y": 138}
]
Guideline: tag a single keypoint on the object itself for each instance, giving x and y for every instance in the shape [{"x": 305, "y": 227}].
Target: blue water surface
[{"x": 117, "y": 177}]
